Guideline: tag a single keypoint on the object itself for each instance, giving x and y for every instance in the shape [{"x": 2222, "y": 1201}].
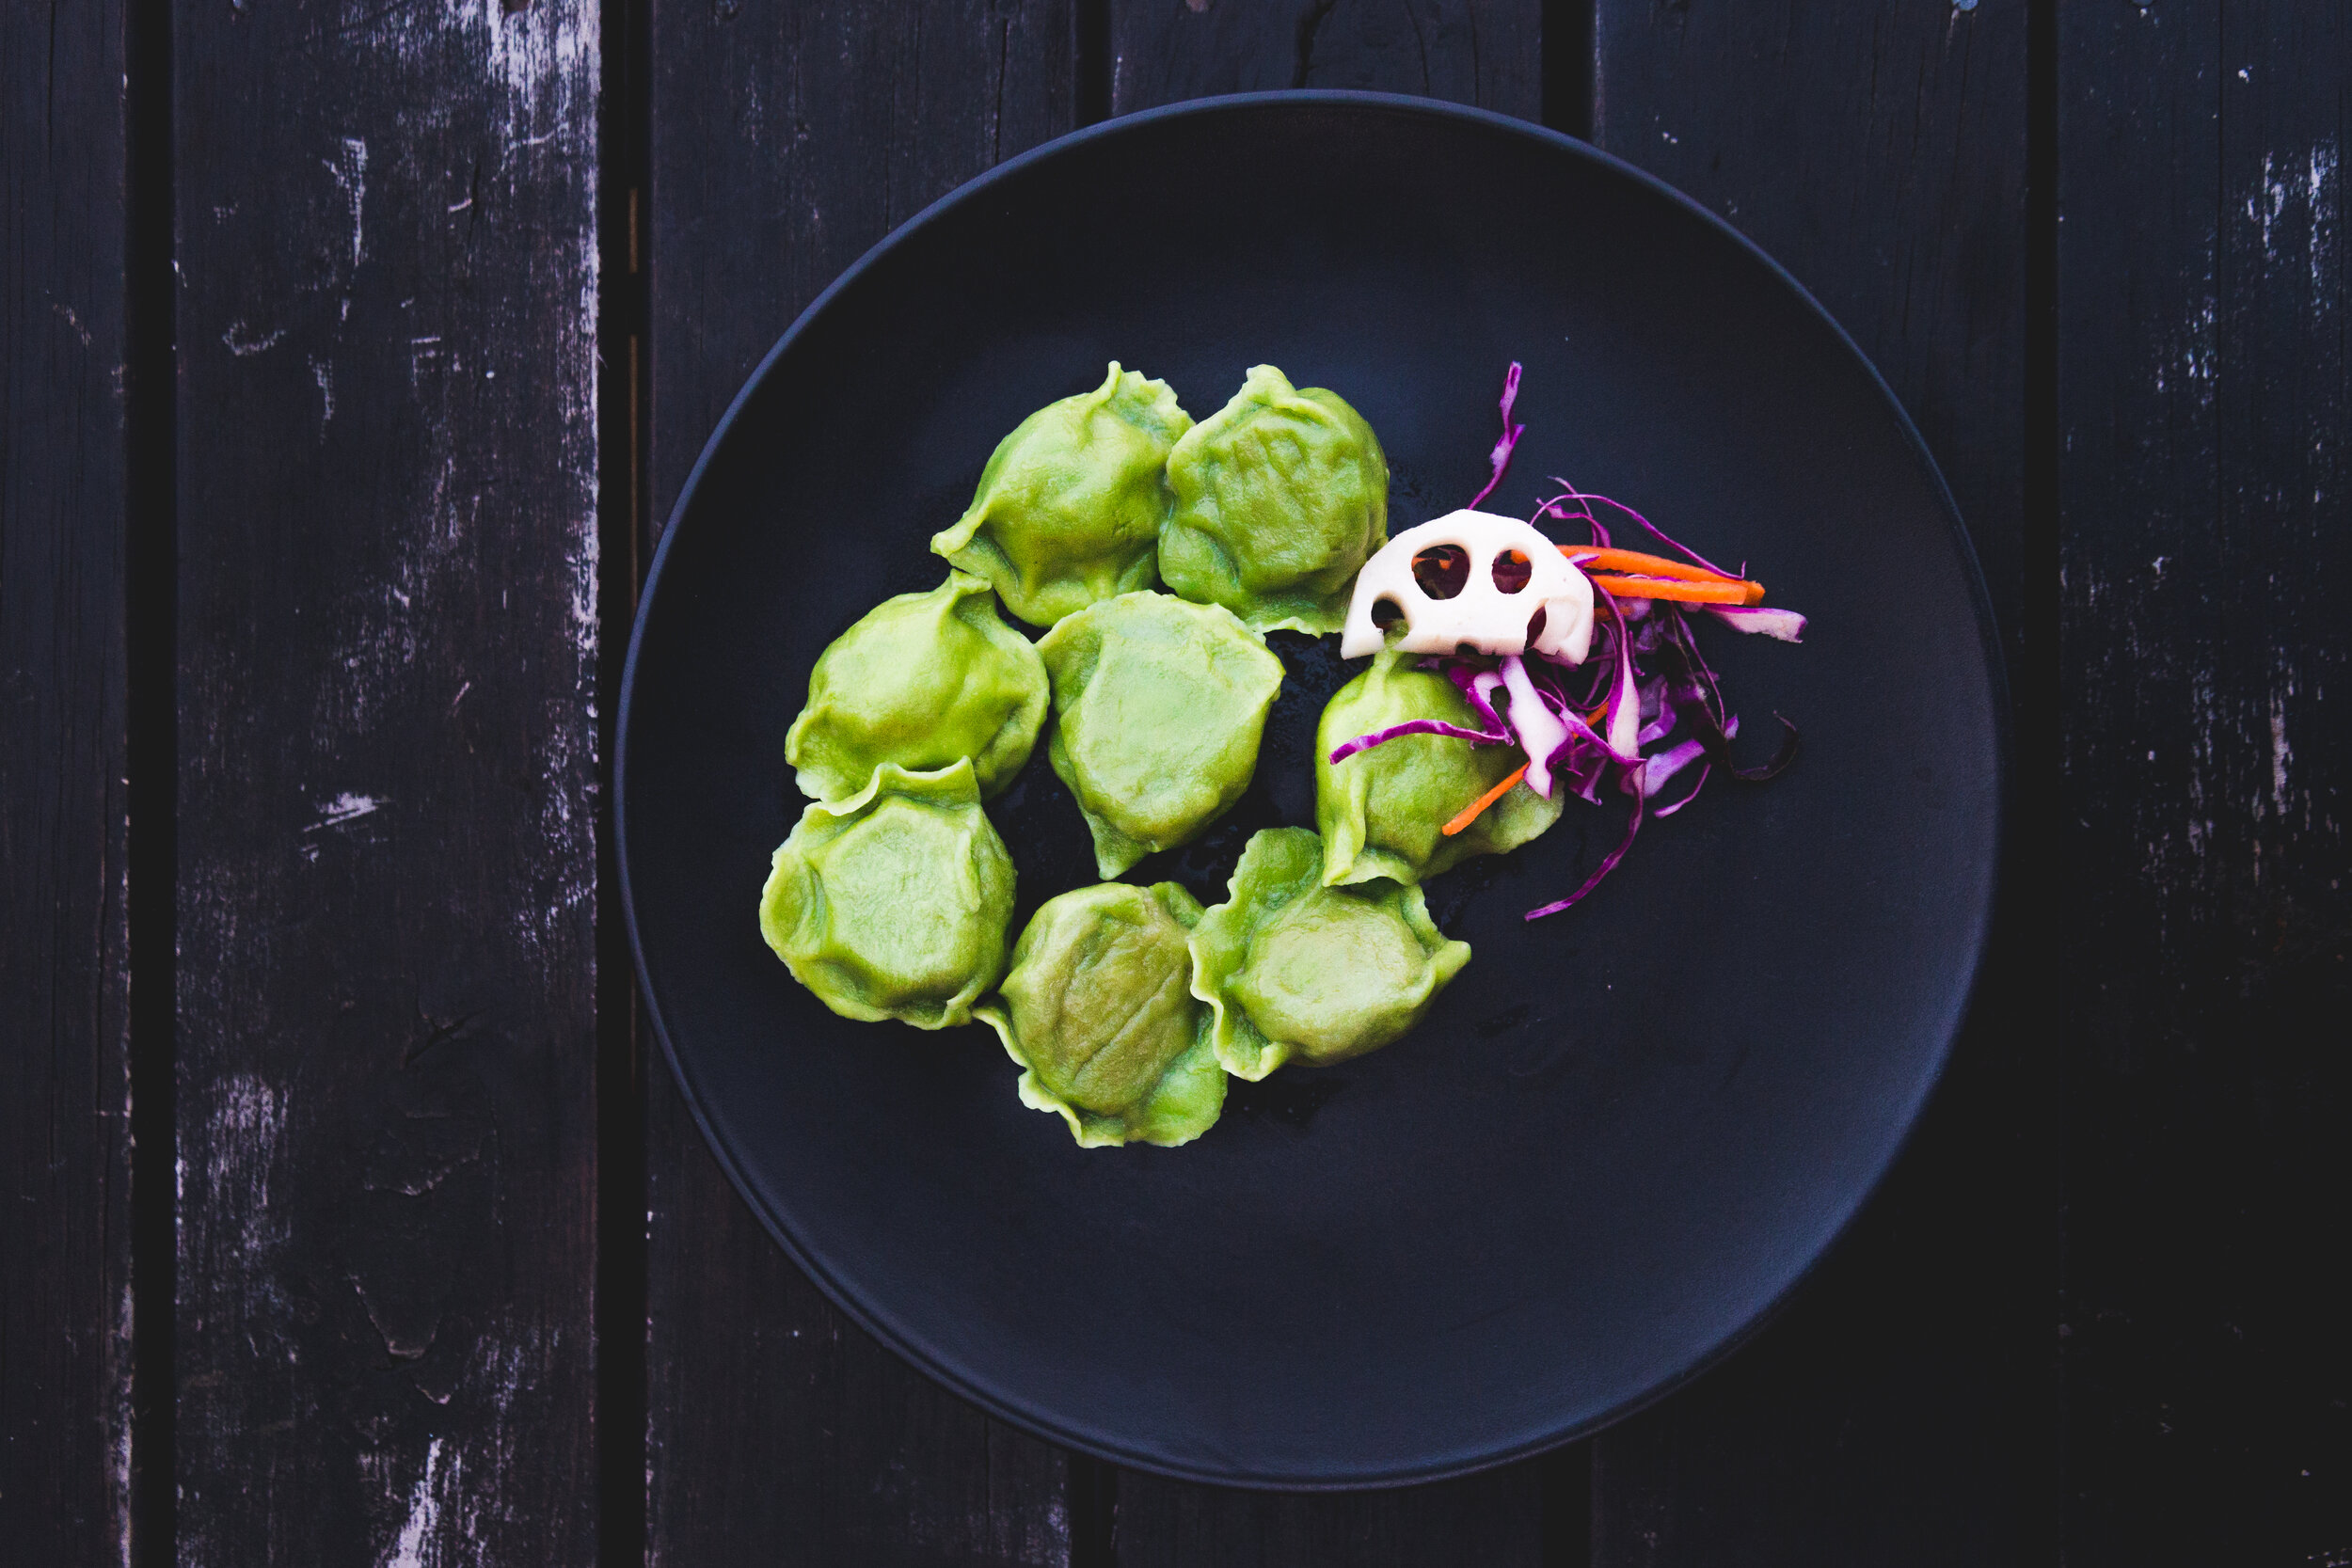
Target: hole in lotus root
[{"x": 1442, "y": 570}]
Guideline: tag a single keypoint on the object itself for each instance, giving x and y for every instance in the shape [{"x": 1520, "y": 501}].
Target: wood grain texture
[
  {"x": 65, "y": 1305},
  {"x": 1898, "y": 1410},
  {"x": 388, "y": 635},
  {"x": 1490, "y": 1519},
  {"x": 787, "y": 140},
  {"x": 2205, "y": 403},
  {"x": 1483, "y": 52}
]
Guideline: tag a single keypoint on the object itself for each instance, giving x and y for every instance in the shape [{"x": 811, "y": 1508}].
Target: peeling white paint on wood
[
  {"x": 323, "y": 374},
  {"x": 246, "y": 1128},
  {"x": 241, "y": 340},
  {"x": 2280, "y": 754},
  {"x": 389, "y": 1058},
  {"x": 343, "y": 808},
  {"x": 417, "y": 1545},
  {"x": 350, "y": 169}
]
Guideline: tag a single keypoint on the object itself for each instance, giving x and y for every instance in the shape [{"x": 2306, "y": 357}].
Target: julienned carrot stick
[
  {"x": 1713, "y": 591},
  {"x": 1469, "y": 813},
  {"x": 1636, "y": 561},
  {"x": 1634, "y": 574}
]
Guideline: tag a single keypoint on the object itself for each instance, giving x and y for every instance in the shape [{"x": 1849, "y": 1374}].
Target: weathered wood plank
[
  {"x": 1483, "y": 52},
  {"x": 1488, "y": 1518},
  {"x": 65, "y": 1264},
  {"x": 388, "y": 635},
  {"x": 786, "y": 138},
  {"x": 2204, "y": 403},
  {"x": 1898, "y": 1410}
]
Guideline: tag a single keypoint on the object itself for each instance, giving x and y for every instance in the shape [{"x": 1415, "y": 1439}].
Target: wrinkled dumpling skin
[
  {"x": 894, "y": 903},
  {"x": 1069, "y": 506},
  {"x": 1380, "y": 809},
  {"x": 921, "y": 680},
  {"x": 1280, "y": 497},
  {"x": 1293, "y": 969},
  {"x": 1099, "y": 1012},
  {"x": 1158, "y": 707}
]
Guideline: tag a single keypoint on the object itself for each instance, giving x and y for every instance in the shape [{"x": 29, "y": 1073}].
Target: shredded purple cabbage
[
  {"x": 1500, "y": 456},
  {"x": 1583, "y": 512},
  {"x": 1608, "y": 863},
  {"x": 1416, "y": 726},
  {"x": 1672, "y": 807},
  {"x": 1624, "y": 706},
  {"x": 1581, "y": 733},
  {"x": 1660, "y": 768},
  {"x": 1571, "y": 493},
  {"x": 1541, "y": 733},
  {"x": 1466, "y": 678}
]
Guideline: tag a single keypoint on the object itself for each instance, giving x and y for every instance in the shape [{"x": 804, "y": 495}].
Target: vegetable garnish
[
  {"x": 1786, "y": 625},
  {"x": 1420, "y": 726},
  {"x": 1469, "y": 814},
  {"x": 1630, "y": 573},
  {"x": 1554, "y": 508},
  {"x": 1641, "y": 564},
  {"x": 1500, "y": 456},
  {"x": 1497, "y": 573},
  {"x": 1649, "y": 682},
  {"x": 1608, "y": 863},
  {"x": 1715, "y": 590}
]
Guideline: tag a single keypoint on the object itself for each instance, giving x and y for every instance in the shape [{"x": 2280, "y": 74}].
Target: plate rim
[{"x": 1099, "y": 1444}]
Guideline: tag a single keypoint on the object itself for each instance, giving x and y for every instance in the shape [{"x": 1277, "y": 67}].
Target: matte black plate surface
[{"x": 1626, "y": 1131}]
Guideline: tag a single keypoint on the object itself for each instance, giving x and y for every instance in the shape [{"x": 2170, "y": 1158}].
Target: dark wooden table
[{"x": 353, "y": 350}]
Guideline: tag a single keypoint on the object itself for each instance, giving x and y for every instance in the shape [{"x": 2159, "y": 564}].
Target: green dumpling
[
  {"x": 921, "y": 680},
  {"x": 1291, "y": 968},
  {"x": 894, "y": 903},
  {"x": 1098, "y": 1009},
  {"x": 1381, "y": 809},
  {"x": 1158, "y": 705},
  {"x": 1069, "y": 507},
  {"x": 1280, "y": 497}
]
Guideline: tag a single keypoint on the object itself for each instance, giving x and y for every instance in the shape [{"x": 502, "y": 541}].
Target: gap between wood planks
[
  {"x": 2035, "y": 698},
  {"x": 623, "y": 142},
  {"x": 151, "y": 420},
  {"x": 2036, "y": 730}
]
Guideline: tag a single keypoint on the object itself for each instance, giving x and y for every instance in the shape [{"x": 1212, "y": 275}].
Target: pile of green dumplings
[{"x": 1127, "y": 1007}]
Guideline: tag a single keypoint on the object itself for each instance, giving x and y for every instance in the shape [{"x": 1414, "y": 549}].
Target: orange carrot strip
[
  {"x": 1636, "y": 561},
  {"x": 1469, "y": 813},
  {"x": 1717, "y": 591}
]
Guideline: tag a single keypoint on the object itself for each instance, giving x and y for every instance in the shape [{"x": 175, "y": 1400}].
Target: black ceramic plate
[{"x": 1625, "y": 1132}]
